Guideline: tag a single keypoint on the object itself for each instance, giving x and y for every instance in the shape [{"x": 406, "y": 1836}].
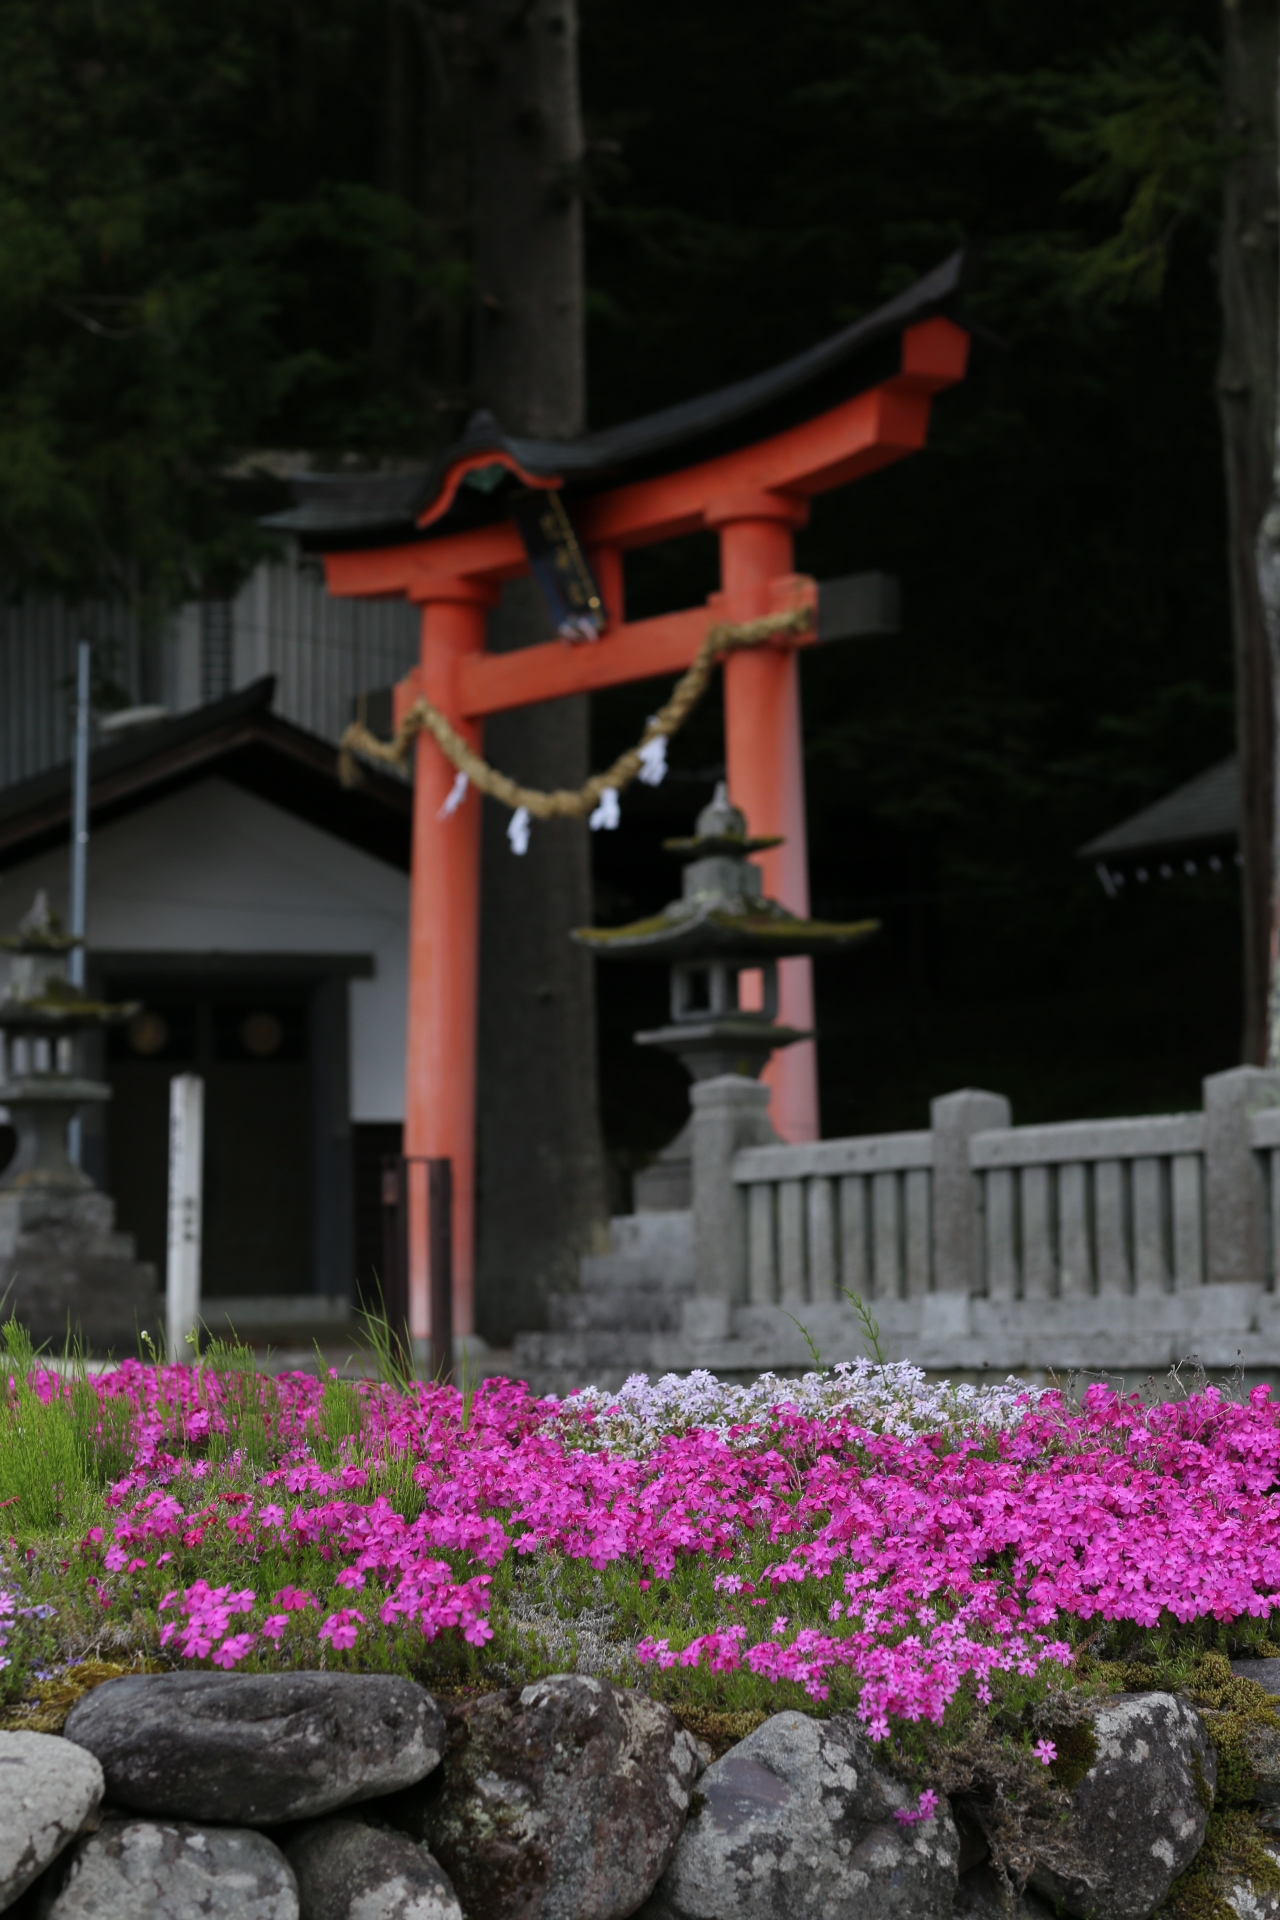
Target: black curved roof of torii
[{"x": 366, "y": 509}]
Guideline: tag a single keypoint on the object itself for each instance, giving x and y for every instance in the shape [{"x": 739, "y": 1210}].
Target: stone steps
[
  {"x": 634, "y": 1291},
  {"x": 561, "y": 1362},
  {"x": 639, "y": 1306},
  {"x": 662, "y": 1243}
]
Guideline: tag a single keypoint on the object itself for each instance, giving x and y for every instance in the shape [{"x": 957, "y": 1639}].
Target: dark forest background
[
  {"x": 243, "y": 226},
  {"x": 1065, "y": 654}
]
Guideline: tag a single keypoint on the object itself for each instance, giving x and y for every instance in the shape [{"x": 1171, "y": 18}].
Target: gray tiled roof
[{"x": 1202, "y": 813}]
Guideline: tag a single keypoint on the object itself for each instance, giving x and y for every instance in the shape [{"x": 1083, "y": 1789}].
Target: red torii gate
[{"x": 755, "y": 497}]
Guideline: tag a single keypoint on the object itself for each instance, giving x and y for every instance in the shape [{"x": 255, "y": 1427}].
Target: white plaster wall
[{"x": 213, "y": 869}]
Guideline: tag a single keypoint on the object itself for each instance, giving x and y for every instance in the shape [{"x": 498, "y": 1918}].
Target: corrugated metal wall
[
  {"x": 38, "y": 641},
  {"x": 322, "y": 651}
]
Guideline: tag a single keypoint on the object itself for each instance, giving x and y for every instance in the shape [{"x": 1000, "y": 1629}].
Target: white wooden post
[{"x": 186, "y": 1191}]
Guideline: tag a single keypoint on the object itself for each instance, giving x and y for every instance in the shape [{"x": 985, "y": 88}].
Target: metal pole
[
  {"x": 80, "y": 814},
  {"x": 79, "y": 848},
  {"x": 440, "y": 1213}
]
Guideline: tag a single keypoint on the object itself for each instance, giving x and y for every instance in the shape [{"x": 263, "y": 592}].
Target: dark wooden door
[{"x": 252, "y": 1049}]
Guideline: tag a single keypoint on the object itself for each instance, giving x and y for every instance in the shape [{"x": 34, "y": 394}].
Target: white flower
[{"x": 894, "y": 1399}]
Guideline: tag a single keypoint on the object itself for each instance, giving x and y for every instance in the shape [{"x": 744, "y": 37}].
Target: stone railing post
[
  {"x": 1235, "y": 1226},
  {"x": 955, "y": 1118},
  {"x": 729, "y": 1112}
]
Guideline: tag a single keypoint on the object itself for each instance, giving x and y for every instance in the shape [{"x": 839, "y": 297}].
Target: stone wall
[{"x": 315, "y": 1796}]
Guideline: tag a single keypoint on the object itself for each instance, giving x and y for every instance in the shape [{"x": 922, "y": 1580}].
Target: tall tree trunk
[
  {"x": 394, "y": 177},
  {"x": 541, "y": 1193},
  {"x": 1246, "y": 399}
]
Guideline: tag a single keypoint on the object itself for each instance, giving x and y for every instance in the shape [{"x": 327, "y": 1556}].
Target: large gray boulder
[
  {"x": 255, "y": 1748},
  {"x": 171, "y": 1870},
  {"x": 47, "y": 1792},
  {"x": 796, "y": 1823},
  {"x": 347, "y": 1871},
  {"x": 1138, "y": 1817},
  {"x": 560, "y": 1802}
]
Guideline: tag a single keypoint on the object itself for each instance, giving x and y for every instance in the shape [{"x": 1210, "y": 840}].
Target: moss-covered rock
[{"x": 1137, "y": 1817}]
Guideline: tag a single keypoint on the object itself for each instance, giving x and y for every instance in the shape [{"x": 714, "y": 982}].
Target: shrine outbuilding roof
[
  {"x": 465, "y": 485},
  {"x": 1201, "y": 816},
  {"x": 237, "y": 738}
]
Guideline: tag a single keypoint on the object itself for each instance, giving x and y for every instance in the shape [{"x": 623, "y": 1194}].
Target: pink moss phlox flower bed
[{"x": 806, "y": 1547}]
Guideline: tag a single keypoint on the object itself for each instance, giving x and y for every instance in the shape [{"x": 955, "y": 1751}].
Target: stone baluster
[
  {"x": 729, "y": 1113},
  {"x": 957, "y": 1245},
  {"x": 1234, "y": 1198}
]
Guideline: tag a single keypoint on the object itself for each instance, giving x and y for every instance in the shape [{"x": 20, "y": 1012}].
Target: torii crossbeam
[{"x": 744, "y": 462}]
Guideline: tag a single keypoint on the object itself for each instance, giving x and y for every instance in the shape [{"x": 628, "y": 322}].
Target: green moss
[
  {"x": 1231, "y": 1707},
  {"x": 1204, "y": 1792},
  {"x": 1077, "y": 1750},
  {"x": 48, "y": 1702},
  {"x": 720, "y": 1730}
]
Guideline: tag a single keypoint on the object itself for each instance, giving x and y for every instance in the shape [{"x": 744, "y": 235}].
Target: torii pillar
[
  {"x": 764, "y": 764},
  {"x": 444, "y": 949},
  {"x": 755, "y": 498}
]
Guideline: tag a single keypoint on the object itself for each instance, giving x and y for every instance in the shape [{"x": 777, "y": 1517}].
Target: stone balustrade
[
  {"x": 980, "y": 1247},
  {"x": 1124, "y": 1244}
]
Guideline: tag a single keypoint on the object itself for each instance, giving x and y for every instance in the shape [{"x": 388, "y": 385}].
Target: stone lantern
[
  {"x": 722, "y": 926},
  {"x": 41, "y": 1013},
  {"x": 62, "y": 1266}
]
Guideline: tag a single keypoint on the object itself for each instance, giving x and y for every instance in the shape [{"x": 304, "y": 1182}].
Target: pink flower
[
  {"x": 341, "y": 1629},
  {"x": 233, "y": 1648},
  {"x": 293, "y": 1599},
  {"x": 1045, "y": 1752},
  {"x": 925, "y": 1809},
  {"x": 933, "y": 1551}
]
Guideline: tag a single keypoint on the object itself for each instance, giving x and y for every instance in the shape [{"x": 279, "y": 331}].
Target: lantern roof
[
  {"x": 40, "y": 930},
  {"x": 723, "y": 912},
  {"x": 35, "y": 994}
]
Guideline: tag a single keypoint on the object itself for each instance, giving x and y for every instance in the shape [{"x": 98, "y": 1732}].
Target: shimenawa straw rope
[{"x": 727, "y": 637}]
